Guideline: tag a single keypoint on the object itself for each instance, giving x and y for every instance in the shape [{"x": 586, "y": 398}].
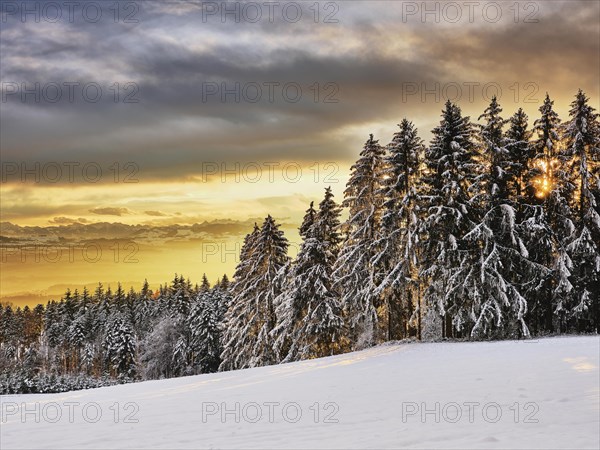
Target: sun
[{"x": 545, "y": 182}]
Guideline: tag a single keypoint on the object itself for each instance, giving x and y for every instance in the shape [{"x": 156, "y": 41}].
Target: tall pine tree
[
  {"x": 450, "y": 169},
  {"x": 251, "y": 317},
  {"x": 310, "y": 322},
  {"x": 582, "y": 147},
  {"x": 354, "y": 268},
  {"x": 397, "y": 259}
]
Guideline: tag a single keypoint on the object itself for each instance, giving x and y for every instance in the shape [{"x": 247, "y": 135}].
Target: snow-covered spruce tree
[
  {"x": 495, "y": 260},
  {"x": 353, "y": 271},
  {"x": 524, "y": 174},
  {"x": 308, "y": 220},
  {"x": 450, "y": 169},
  {"x": 224, "y": 284},
  {"x": 10, "y": 335},
  {"x": 555, "y": 189},
  {"x": 397, "y": 262},
  {"x": 178, "y": 305},
  {"x": 309, "y": 313},
  {"x": 205, "y": 286},
  {"x": 555, "y": 186},
  {"x": 239, "y": 288},
  {"x": 144, "y": 310},
  {"x": 519, "y": 162},
  {"x": 582, "y": 146},
  {"x": 120, "y": 347},
  {"x": 76, "y": 336},
  {"x": 205, "y": 323},
  {"x": 527, "y": 160},
  {"x": 329, "y": 222},
  {"x": 251, "y": 316},
  {"x": 222, "y": 296},
  {"x": 493, "y": 155},
  {"x": 242, "y": 269}
]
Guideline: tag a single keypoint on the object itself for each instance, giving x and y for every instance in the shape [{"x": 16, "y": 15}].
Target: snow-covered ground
[{"x": 527, "y": 394}]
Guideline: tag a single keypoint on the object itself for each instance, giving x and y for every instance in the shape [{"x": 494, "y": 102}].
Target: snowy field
[{"x": 528, "y": 394}]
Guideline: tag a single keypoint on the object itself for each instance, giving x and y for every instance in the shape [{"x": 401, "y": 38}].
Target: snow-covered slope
[{"x": 547, "y": 392}]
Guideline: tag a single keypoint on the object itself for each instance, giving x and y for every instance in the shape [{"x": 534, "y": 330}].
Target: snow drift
[{"x": 526, "y": 394}]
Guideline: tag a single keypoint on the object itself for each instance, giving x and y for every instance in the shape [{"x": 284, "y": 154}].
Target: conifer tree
[
  {"x": 582, "y": 148},
  {"x": 308, "y": 220},
  {"x": 205, "y": 286},
  {"x": 309, "y": 319},
  {"x": 397, "y": 259},
  {"x": 205, "y": 321},
  {"x": 519, "y": 162},
  {"x": 354, "y": 268},
  {"x": 450, "y": 169},
  {"x": 251, "y": 316},
  {"x": 555, "y": 190},
  {"x": 120, "y": 348},
  {"x": 224, "y": 285},
  {"x": 495, "y": 258}
]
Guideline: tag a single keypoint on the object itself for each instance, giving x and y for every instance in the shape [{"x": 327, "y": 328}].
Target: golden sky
[{"x": 181, "y": 174}]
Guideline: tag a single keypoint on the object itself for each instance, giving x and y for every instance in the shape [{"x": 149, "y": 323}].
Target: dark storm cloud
[{"x": 170, "y": 53}]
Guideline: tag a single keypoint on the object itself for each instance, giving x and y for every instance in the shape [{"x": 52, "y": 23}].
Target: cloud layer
[{"x": 176, "y": 54}]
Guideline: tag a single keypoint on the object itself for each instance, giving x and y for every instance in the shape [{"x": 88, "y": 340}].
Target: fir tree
[
  {"x": 251, "y": 316},
  {"x": 397, "y": 259},
  {"x": 354, "y": 269},
  {"x": 450, "y": 169},
  {"x": 582, "y": 141},
  {"x": 554, "y": 187},
  {"x": 495, "y": 179},
  {"x": 310, "y": 324},
  {"x": 224, "y": 285},
  {"x": 205, "y": 322},
  {"x": 308, "y": 220},
  {"x": 120, "y": 346},
  {"x": 519, "y": 162},
  {"x": 205, "y": 286},
  {"x": 328, "y": 218}
]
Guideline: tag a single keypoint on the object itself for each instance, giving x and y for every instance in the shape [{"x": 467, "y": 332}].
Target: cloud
[
  {"x": 66, "y": 230},
  {"x": 111, "y": 211},
  {"x": 68, "y": 220},
  {"x": 369, "y": 55},
  {"x": 156, "y": 213}
]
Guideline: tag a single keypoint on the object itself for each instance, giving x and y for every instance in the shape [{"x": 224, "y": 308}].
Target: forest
[{"x": 491, "y": 231}]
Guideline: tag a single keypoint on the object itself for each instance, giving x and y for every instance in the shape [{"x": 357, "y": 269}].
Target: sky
[{"x": 146, "y": 139}]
